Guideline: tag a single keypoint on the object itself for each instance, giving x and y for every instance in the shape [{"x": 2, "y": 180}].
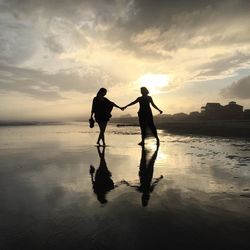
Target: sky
[{"x": 55, "y": 55}]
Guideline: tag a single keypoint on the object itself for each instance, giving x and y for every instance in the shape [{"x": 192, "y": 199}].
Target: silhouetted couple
[
  {"x": 102, "y": 108},
  {"x": 102, "y": 178}
]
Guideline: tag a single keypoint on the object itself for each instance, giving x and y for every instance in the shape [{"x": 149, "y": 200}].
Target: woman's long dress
[{"x": 145, "y": 116}]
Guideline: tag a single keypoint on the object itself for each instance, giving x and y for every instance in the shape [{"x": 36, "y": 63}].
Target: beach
[
  {"x": 198, "y": 194},
  {"x": 224, "y": 128}
]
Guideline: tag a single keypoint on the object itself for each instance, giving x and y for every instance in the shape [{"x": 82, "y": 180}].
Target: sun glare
[{"x": 154, "y": 82}]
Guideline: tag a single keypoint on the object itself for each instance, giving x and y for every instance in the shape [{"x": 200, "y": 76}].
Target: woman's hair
[
  {"x": 144, "y": 91},
  {"x": 101, "y": 92}
]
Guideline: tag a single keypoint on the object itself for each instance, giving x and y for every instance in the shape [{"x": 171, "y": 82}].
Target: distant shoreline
[{"x": 26, "y": 123}]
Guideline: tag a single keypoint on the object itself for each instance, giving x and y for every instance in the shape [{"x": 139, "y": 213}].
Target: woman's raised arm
[{"x": 132, "y": 103}]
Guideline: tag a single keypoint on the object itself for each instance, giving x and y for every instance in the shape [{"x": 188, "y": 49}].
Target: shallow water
[{"x": 191, "y": 192}]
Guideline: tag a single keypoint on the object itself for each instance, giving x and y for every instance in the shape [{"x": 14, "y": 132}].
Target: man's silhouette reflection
[
  {"x": 101, "y": 178},
  {"x": 146, "y": 172}
]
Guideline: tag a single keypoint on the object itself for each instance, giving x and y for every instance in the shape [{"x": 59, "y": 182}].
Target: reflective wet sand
[{"x": 59, "y": 191}]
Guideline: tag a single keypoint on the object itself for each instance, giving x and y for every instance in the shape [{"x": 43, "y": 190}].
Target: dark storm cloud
[
  {"x": 45, "y": 86},
  {"x": 239, "y": 89}
]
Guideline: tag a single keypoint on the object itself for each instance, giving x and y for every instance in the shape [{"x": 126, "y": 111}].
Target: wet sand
[
  {"x": 193, "y": 192},
  {"x": 223, "y": 128}
]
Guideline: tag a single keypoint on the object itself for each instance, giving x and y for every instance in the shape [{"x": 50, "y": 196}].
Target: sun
[{"x": 154, "y": 82}]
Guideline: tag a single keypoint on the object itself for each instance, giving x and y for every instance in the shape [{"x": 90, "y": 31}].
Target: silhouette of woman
[
  {"x": 145, "y": 114},
  {"x": 102, "y": 108},
  {"x": 146, "y": 171},
  {"x": 102, "y": 180}
]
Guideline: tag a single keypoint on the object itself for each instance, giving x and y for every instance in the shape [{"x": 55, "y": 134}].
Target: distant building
[
  {"x": 212, "y": 110},
  {"x": 233, "y": 110},
  {"x": 213, "y": 107},
  {"x": 216, "y": 111}
]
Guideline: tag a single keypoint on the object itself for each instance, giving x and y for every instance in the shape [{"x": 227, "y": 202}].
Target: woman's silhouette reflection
[
  {"x": 101, "y": 178},
  {"x": 146, "y": 171}
]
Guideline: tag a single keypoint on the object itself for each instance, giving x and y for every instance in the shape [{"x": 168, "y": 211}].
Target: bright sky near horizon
[{"x": 55, "y": 55}]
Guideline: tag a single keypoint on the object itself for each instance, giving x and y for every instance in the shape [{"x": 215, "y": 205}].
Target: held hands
[{"x": 123, "y": 108}]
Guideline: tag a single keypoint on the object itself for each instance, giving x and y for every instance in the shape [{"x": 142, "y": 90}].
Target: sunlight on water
[{"x": 57, "y": 172}]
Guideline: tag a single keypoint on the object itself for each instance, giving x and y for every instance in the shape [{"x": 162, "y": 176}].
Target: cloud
[
  {"x": 223, "y": 65},
  {"x": 51, "y": 48},
  {"x": 239, "y": 89},
  {"x": 181, "y": 21},
  {"x": 49, "y": 86},
  {"x": 53, "y": 45},
  {"x": 18, "y": 40},
  {"x": 152, "y": 30}
]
